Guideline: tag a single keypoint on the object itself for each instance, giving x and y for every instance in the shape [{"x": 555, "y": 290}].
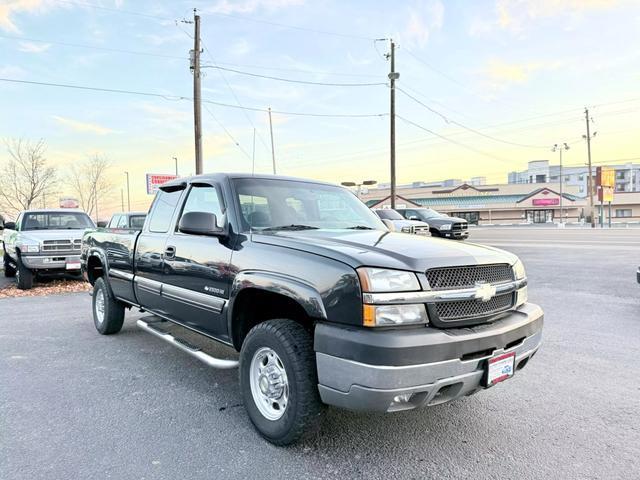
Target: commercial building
[
  {"x": 540, "y": 171},
  {"x": 484, "y": 204}
]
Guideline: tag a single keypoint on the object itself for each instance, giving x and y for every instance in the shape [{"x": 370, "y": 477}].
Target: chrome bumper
[
  {"x": 51, "y": 262},
  {"x": 358, "y": 386}
]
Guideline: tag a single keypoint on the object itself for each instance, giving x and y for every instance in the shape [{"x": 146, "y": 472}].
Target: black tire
[
  {"x": 112, "y": 317},
  {"x": 24, "y": 276},
  {"x": 294, "y": 346},
  {"x": 9, "y": 270},
  {"x": 434, "y": 232}
]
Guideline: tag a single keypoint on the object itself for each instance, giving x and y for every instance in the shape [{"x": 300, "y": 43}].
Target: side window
[
  {"x": 122, "y": 222},
  {"x": 204, "y": 199},
  {"x": 114, "y": 221},
  {"x": 163, "y": 209}
]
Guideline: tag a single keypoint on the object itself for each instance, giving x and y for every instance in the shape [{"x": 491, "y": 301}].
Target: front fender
[{"x": 296, "y": 289}]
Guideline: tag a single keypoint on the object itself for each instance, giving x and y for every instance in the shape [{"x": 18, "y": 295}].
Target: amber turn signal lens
[{"x": 369, "y": 315}]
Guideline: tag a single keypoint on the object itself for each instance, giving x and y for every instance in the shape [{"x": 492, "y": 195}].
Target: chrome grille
[
  {"x": 61, "y": 245},
  {"x": 419, "y": 230},
  {"x": 468, "y": 276},
  {"x": 460, "y": 226},
  {"x": 450, "y": 311}
]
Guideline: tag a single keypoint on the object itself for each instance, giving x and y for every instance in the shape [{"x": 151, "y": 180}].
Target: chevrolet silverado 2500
[{"x": 325, "y": 305}]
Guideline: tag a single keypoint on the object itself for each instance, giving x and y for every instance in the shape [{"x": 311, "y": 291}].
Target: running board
[{"x": 187, "y": 347}]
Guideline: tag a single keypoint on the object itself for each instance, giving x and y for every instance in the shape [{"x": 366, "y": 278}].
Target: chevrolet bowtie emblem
[{"x": 485, "y": 291}]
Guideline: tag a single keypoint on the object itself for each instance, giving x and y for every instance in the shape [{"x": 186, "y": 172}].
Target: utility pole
[
  {"x": 590, "y": 180},
  {"x": 175, "y": 159},
  {"x": 561, "y": 147},
  {"x": 253, "y": 156},
  {"x": 393, "y": 76},
  {"x": 273, "y": 152},
  {"x": 122, "y": 200},
  {"x": 197, "y": 113},
  {"x": 128, "y": 193}
]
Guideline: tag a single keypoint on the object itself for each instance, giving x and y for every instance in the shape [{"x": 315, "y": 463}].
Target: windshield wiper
[
  {"x": 291, "y": 227},
  {"x": 360, "y": 227}
]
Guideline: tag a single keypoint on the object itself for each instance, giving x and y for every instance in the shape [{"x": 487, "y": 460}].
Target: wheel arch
[{"x": 258, "y": 296}]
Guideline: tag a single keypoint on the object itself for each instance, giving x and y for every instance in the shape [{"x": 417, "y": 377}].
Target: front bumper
[
  {"x": 461, "y": 234},
  {"x": 404, "y": 369},
  {"x": 52, "y": 262}
]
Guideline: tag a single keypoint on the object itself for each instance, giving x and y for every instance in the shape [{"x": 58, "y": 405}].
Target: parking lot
[{"x": 75, "y": 404}]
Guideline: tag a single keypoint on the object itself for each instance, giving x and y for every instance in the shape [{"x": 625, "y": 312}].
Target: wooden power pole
[
  {"x": 589, "y": 177},
  {"x": 393, "y": 76},
  {"x": 273, "y": 151},
  {"x": 197, "y": 113}
]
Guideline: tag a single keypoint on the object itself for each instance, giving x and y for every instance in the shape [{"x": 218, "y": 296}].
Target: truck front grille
[
  {"x": 460, "y": 226},
  {"x": 467, "y": 309},
  {"x": 466, "y": 277},
  {"x": 61, "y": 245}
]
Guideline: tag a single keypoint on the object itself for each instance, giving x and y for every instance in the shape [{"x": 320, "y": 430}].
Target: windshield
[
  {"x": 388, "y": 214},
  {"x": 430, "y": 213},
  {"x": 56, "y": 221},
  {"x": 293, "y": 205}
]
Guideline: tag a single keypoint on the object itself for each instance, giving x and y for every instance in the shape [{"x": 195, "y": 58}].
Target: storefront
[{"x": 490, "y": 204}]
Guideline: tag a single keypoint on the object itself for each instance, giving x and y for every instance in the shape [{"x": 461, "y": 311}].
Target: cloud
[
  {"x": 31, "y": 47},
  {"x": 83, "y": 126},
  {"x": 10, "y": 8},
  {"x": 239, "y": 48},
  {"x": 425, "y": 17},
  {"x": 159, "y": 40},
  {"x": 250, "y": 6},
  {"x": 500, "y": 74},
  {"x": 12, "y": 71}
]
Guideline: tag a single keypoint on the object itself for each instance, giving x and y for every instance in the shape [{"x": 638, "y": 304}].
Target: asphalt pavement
[{"x": 75, "y": 404}]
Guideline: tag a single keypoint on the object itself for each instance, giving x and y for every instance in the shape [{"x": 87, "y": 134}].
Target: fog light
[
  {"x": 404, "y": 398},
  {"x": 521, "y": 296}
]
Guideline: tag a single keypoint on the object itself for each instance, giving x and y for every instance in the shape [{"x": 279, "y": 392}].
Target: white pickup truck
[{"x": 43, "y": 242}]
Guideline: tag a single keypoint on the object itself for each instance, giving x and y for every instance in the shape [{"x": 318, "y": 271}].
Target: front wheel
[
  {"x": 279, "y": 381},
  {"x": 9, "y": 269},
  {"x": 24, "y": 276},
  {"x": 108, "y": 313}
]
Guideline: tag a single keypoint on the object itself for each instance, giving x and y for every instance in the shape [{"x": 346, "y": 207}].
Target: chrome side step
[{"x": 185, "y": 346}]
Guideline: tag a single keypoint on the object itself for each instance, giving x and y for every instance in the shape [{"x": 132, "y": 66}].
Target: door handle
[{"x": 170, "y": 252}]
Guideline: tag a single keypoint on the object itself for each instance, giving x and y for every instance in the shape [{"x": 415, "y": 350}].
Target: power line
[
  {"x": 451, "y": 140},
  {"x": 181, "y": 97},
  {"x": 92, "y": 47},
  {"x": 472, "y": 130},
  {"x": 299, "y": 70},
  {"x": 79, "y": 3},
  {"x": 235, "y": 142},
  {"x": 290, "y": 80}
]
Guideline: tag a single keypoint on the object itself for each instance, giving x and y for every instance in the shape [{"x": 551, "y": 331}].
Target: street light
[
  {"x": 354, "y": 184},
  {"x": 560, "y": 148},
  {"x": 175, "y": 159}
]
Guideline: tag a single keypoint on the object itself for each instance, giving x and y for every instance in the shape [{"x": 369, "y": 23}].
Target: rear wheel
[
  {"x": 108, "y": 313},
  {"x": 24, "y": 276},
  {"x": 279, "y": 381},
  {"x": 9, "y": 269}
]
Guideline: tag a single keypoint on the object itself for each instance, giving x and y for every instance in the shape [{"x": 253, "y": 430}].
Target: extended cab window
[
  {"x": 163, "y": 209},
  {"x": 114, "y": 221},
  {"x": 204, "y": 198},
  {"x": 122, "y": 223}
]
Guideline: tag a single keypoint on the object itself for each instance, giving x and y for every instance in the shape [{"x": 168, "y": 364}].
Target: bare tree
[
  {"x": 90, "y": 183},
  {"x": 25, "y": 178}
]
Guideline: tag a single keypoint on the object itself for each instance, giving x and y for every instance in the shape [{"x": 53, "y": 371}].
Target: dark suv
[{"x": 441, "y": 224}]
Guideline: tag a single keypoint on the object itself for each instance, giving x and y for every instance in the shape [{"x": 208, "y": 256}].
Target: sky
[{"x": 485, "y": 86}]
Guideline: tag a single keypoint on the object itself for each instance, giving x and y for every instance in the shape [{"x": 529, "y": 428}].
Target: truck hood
[
  {"x": 377, "y": 248},
  {"x": 37, "y": 236},
  {"x": 436, "y": 222}
]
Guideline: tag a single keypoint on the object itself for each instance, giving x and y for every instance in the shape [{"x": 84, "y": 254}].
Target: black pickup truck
[{"x": 324, "y": 304}]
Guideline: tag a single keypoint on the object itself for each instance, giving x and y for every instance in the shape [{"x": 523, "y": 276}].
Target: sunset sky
[{"x": 517, "y": 74}]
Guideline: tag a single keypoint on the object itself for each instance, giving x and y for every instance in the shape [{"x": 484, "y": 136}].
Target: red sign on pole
[{"x": 154, "y": 180}]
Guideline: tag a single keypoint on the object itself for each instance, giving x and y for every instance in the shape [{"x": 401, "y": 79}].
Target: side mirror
[
  {"x": 10, "y": 225},
  {"x": 200, "y": 223},
  {"x": 389, "y": 224},
  {"x": 101, "y": 224}
]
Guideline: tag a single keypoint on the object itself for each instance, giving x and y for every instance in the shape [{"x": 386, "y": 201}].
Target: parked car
[
  {"x": 43, "y": 242},
  {"x": 401, "y": 224},
  {"x": 440, "y": 224},
  {"x": 325, "y": 305},
  {"x": 127, "y": 220}
]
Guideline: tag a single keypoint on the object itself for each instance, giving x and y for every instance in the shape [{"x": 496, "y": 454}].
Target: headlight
[
  {"x": 382, "y": 280},
  {"x": 446, "y": 226},
  {"x": 518, "y": 270},
  {"x": 389, "y": 315},
  {"x": 30, "y": 248}
]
